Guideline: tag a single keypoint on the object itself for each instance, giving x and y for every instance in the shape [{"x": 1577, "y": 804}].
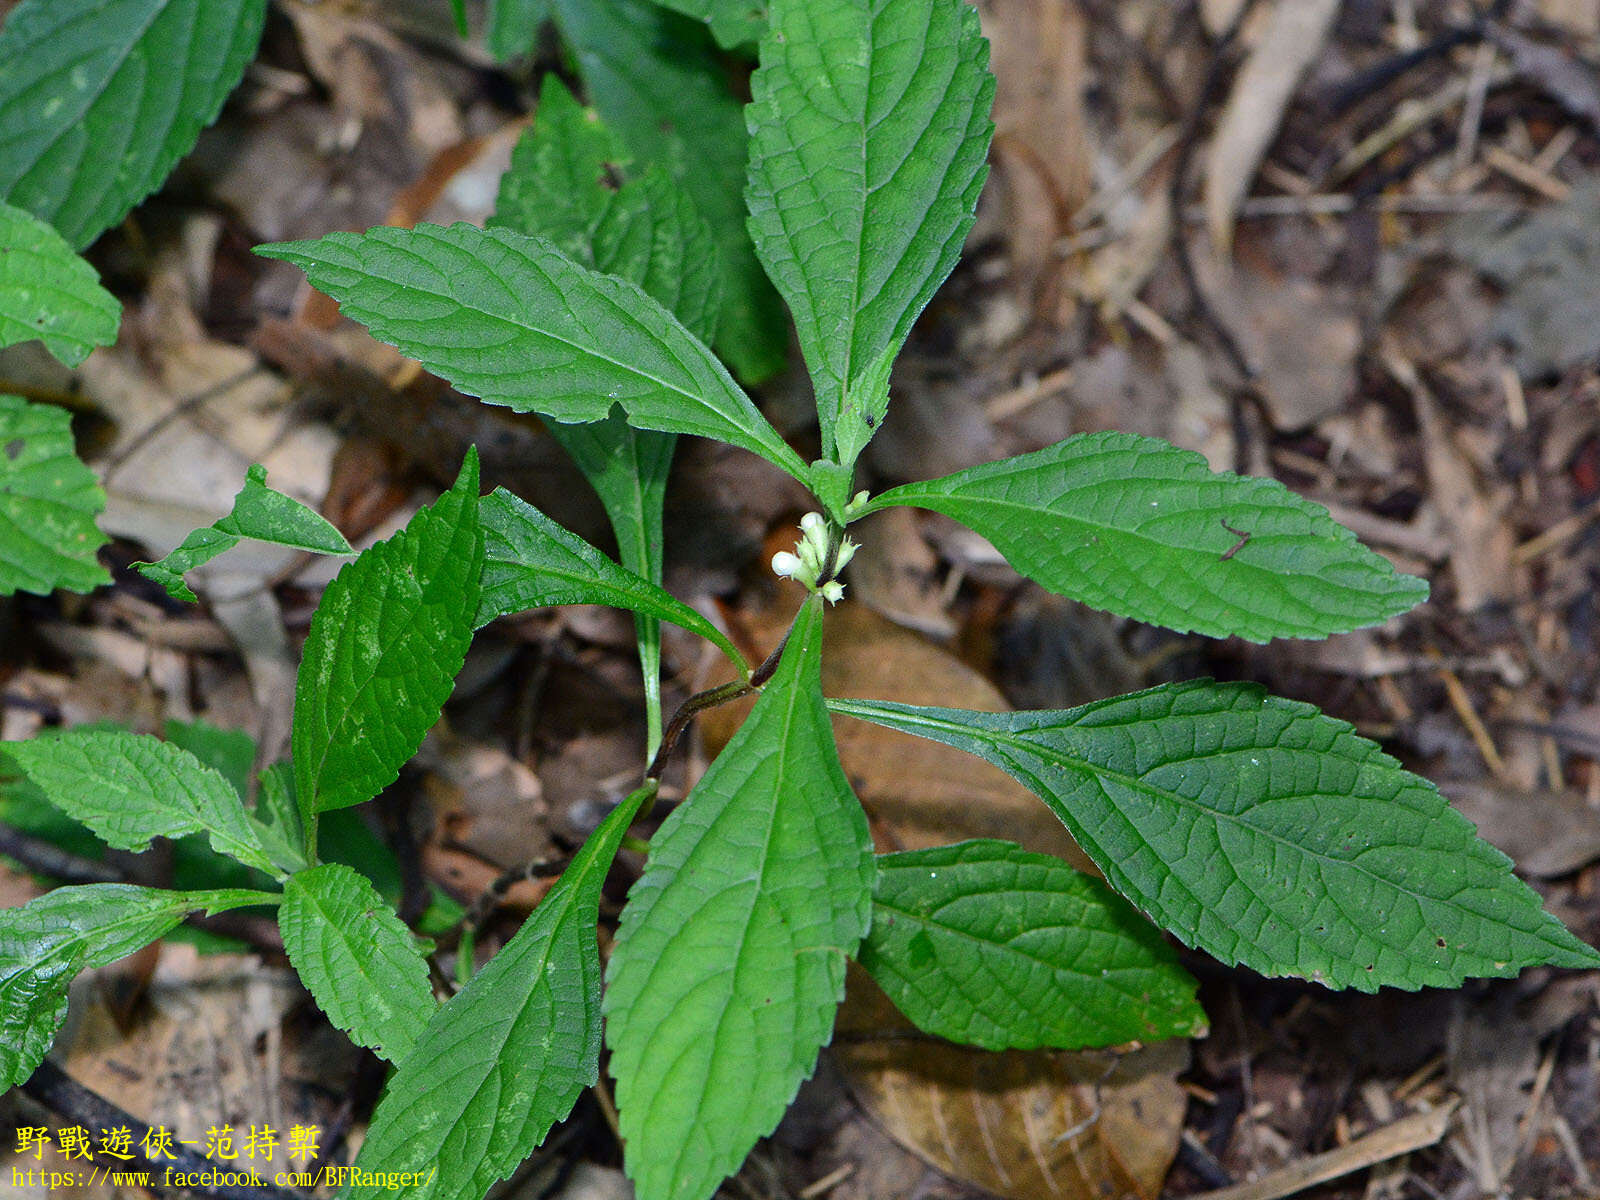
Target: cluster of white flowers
[{"x": 810, "y": 559}]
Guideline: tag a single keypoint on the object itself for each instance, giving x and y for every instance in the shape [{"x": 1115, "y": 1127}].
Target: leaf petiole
[{"x": 735, "y": 689}]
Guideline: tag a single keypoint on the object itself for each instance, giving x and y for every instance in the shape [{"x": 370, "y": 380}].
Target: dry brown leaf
[
  {"x": 1097, "y": 1125},
  {"x": 374, "y": 76},
  {"x": 1037, "y": 50},
  {"x": 1293, "y": 39},
  {"x": 896, "y": 573},
  {"x": 1202, "y": 419},
  {"x": 1581, "y": 18},
  {"x": 211, "y": 1047},
  {"x": 1042, "y": 155},
  {"x": 1301, "y": 336},
  {"x": 1492, "y": 1055},
  {"x": 488, "y": 802},
  {"x": 1546, "y": 833},
  {"x": 1470, "y": 510},
  {"x": 1218, "y": 16},
  {"x": 918, "y": 793}
]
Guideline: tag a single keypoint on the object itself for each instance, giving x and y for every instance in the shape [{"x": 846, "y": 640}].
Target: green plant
[
  {"x": 658, "y": 79},
  {"x": 99, "y": 100},
  {"x": 1251, "y": 827}
]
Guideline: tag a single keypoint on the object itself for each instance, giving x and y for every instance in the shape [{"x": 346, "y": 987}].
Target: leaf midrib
[
  {"x": 913, "y": 496},
  {"x": 1054, "y": 968},
  {"x": 773, "y": 446},
  {"x": 658, "y": 608},
  {"x": 1095, "y": 773},
  {"x": 214, "y": 901}
]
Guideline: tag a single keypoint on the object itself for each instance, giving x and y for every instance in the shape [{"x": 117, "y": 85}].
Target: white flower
[{"x": 785, "y": 564}]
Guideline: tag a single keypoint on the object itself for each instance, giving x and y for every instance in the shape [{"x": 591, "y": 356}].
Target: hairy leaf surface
[
  {"x": 1267, "y": 834},
  {"x": 99, "y": 99},
  {"x": 1142, "y": 529},
  {"x": 385, "y": 645},
  {"x": 357, "y": 958},
  {"x": 531, "y": 562},
  {"x": 658, "y": 81},
  {"x": 258, "y": 513},
  {"x": 505, "y": 1058},
  {"x": 870, "y": 127},
  {"x": 987, "y": 944},
  {"x": 48, "y": 502},
  {"x": 130, "y": 787},
  {"x": 730, "y": 956},
  {"x": 512, "y": 319},
  {"x": 49, "y": 293},
  {"x": 46, "y": 942}
]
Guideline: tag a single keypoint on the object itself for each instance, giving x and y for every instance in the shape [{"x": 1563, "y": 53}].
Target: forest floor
[{"x": 1352, "y": 246}]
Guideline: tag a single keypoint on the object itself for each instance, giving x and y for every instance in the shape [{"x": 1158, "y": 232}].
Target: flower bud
[{"x": 785, "y": 564}]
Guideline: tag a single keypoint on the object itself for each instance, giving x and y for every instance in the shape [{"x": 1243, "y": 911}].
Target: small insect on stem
[{"x": 1241, "y": 534}]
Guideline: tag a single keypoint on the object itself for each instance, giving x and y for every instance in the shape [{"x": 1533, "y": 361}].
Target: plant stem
[
  {"x": 711, "y": 698},
  {"x": 649, "y": 637}
]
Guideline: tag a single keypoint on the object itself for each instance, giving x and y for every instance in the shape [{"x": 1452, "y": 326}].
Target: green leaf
[
  {"x": 47, "y": 941},
  {"x": 870, "y": 127},
  {"x": 357, "y": 959},
  {"x": 1145, "y": 530},
  {"x": 628, "y": 470},
  {"x": 101, "y": 98},
  {"x": 730, "y": 956},
  {"x": 511, "y": 319},
  {"x": 194, "y": 864},
  {"x": 987, "y": 944},
  {"x": 733, "y": 23},
  {"x": 26, "y": 809},
  {"x": 229, "y": 752},
  {"x": 531, "y": 562},
  {"x": 512, "y": 26},
  {"x": 279, "y": 823},
  {"x": 48, "y": 292},
  {"x": 129, "y": 788},
  {"x": 48, "y": 502},
  {"x": 385, "y": 645},
  {"x": 1266, "y": 834},
  {"x": 652, "y": 234},
  {"x": 658, "y": 81},
  {"x": 258, "y": 513},
  {"x": 506, "y": 1057},
  {"x": 563, "y": 173},
  {"x": 563, "y": 184}
]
